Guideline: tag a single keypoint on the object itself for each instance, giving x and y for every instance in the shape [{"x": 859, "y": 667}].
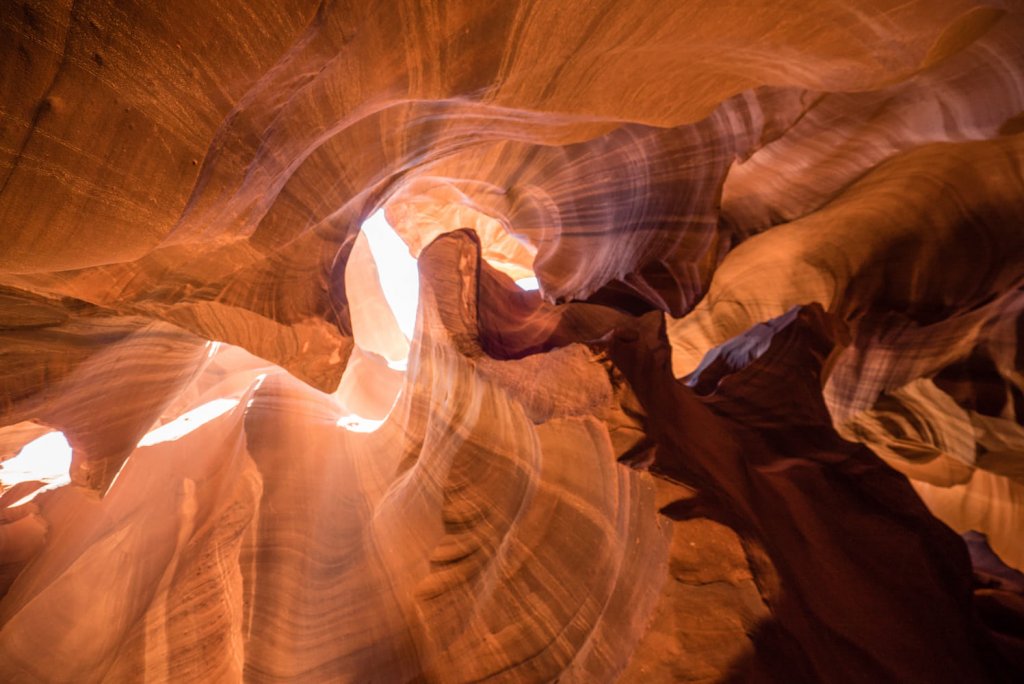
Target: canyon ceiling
[{"x": 763, "y": 420}]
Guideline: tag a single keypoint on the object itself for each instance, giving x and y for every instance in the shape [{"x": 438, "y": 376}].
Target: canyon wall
[{"x": 762, "y": 420}]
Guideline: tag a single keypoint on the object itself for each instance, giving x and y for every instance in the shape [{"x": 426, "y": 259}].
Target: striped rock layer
[{"x": 762, "y": 420}]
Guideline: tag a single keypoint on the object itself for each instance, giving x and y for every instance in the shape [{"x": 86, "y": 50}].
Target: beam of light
[
  {"x": 528, "y": 283},
  {"x": 189, "y": 421},
  {"x": 399, "y": 276},
  {"x": 45, "y": 458}
]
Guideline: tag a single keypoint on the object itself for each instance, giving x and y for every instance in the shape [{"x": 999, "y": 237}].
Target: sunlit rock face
[{"x": 512, "y": 341}]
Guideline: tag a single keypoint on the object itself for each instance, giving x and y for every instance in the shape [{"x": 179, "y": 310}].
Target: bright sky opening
[
  {"x": 356, "y": 423},
  {"x": 528, "y": 283},
  {"x": 45, "y": 458},
  {"x": 399, "y": 276},
  {"x": 189, "y": 421}
]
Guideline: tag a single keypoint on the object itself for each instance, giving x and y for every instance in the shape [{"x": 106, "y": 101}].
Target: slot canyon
[{"x": 512, "y": 341}]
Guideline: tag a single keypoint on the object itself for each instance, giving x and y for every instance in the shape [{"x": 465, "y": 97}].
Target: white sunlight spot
[
  {"x": 528, "y": 284},
  {"x": 399, "y": 277},
  {"x": 45, "y": 458},
  {"x": 189, "y": 421},
  {"x": 356, "y": 423}
]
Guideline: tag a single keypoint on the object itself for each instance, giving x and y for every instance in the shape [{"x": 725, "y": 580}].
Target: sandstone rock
[{"x": 770, "y": 373}]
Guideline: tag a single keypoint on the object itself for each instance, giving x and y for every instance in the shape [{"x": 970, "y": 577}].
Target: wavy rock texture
[{"x": 762, "y": 421}]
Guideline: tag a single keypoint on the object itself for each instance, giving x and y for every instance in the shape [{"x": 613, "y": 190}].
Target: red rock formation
[{"x": 771, "y": 374}]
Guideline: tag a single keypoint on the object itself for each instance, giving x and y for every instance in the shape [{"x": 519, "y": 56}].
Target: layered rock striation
[{"x": 760, "y": 421}]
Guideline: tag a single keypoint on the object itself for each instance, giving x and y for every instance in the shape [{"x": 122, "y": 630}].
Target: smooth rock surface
[{"x": 762, "y": 420}]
